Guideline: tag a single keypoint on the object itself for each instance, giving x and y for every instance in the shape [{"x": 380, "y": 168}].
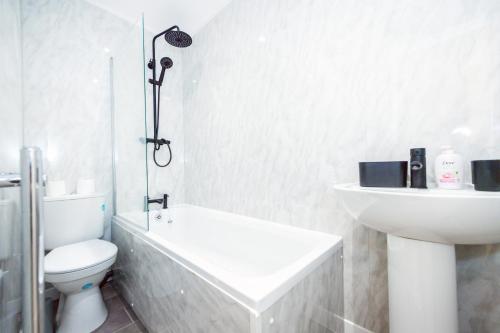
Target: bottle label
[
  {"x": 449, "y": 178},
  {"x": 449, "y": 174}
]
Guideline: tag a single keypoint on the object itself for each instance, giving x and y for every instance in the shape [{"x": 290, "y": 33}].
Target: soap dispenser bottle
[
  {"x": 418, "y": 168},
  {"x": 449, "y": 169}
]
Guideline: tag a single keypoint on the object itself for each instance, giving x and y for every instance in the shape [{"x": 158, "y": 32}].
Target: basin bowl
[{"x": 434, "y": 215}]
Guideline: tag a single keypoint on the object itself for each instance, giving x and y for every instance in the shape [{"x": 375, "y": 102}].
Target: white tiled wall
[{"x": 11, "y": 117}]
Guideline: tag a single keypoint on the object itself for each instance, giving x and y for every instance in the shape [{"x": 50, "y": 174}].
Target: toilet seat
[{"x": 79, "y": 260}]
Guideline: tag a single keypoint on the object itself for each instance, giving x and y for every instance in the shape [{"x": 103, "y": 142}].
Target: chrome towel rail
[
  {"x": 10, "y": 179},
  {"x": 32, "y": 238}
]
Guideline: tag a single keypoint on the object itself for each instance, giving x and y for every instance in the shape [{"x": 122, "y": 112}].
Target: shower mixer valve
[{"x": 159, "y": 142}]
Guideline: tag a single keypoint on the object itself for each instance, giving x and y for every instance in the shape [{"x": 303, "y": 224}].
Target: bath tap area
[{"x": 249, "y": 166}]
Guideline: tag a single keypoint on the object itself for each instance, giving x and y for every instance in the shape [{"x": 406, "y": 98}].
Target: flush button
[{"x": 87, "y": 286}]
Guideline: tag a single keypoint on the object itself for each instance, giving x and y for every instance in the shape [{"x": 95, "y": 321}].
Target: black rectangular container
[
  {"x": 383, "y": 174},
  {"x": 486, "y": 175}
]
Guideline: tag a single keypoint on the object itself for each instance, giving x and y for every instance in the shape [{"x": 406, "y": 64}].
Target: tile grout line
[
  {"x": 129, "y": 315},
  {"x": 122, "y": 328}
]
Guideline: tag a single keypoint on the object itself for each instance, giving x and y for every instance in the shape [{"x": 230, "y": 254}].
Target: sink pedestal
[{"x": 422, "y": 286}]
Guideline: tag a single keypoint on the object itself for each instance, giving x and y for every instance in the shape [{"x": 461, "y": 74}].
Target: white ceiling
[{"x": 189, "y": 15}]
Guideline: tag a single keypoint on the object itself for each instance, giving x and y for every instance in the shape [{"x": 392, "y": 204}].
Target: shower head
[
  {"x": 178, "y": 38},
  {"x": 165, "y": 63}
]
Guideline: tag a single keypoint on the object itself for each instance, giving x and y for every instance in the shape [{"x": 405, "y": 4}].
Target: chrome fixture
[{"x": 10, "y": 179}]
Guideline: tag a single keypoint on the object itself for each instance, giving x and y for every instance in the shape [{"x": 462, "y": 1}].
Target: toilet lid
[{"x": 78, "y": 256}]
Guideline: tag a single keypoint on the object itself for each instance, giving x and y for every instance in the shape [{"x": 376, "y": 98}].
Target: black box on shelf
[
  {"x": 486, "y": 175},
  {"x": 383, "y": 174}
]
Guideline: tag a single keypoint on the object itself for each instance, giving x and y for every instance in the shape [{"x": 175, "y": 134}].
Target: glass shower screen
[{"x": 129, "y": 120}]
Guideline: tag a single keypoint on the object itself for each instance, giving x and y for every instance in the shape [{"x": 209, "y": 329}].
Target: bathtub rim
[{"x": 256, "y": 304}]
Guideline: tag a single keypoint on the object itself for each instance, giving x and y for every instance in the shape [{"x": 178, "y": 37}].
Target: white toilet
[{"x": 78, "y": 260}]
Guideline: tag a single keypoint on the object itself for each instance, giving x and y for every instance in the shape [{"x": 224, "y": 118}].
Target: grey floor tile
[
  {"x": 108, "y": 292},
  {"x": 114, "y": 304},
  {"x": 117, "y": 320},
  {"x": 121, "y": 317}
]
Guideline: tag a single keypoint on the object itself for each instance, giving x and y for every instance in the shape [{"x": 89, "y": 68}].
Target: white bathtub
[{"x": 253, "y": 261}]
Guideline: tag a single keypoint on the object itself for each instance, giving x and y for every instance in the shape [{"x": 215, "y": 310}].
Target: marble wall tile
[
  {"x": 314, "y": 305},
  {"x": 378, "y": 317},
  {"x": 478, "y": 271},
  {"x": 283, "y": 98},
  {"x": 169, "y": 298},
  {"x": 11, "y": 116}
]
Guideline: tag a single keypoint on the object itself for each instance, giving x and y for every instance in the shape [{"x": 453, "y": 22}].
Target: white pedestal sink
[{"x": 423, "y": 226}]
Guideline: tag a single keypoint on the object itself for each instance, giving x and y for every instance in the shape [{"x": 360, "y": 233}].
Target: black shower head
[
  {"x": 178, "y": 38},
  {"x": 166, "y": 62}
]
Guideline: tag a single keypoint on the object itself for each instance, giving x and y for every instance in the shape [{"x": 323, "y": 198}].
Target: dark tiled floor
[{"x": 121, "y": 319}]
